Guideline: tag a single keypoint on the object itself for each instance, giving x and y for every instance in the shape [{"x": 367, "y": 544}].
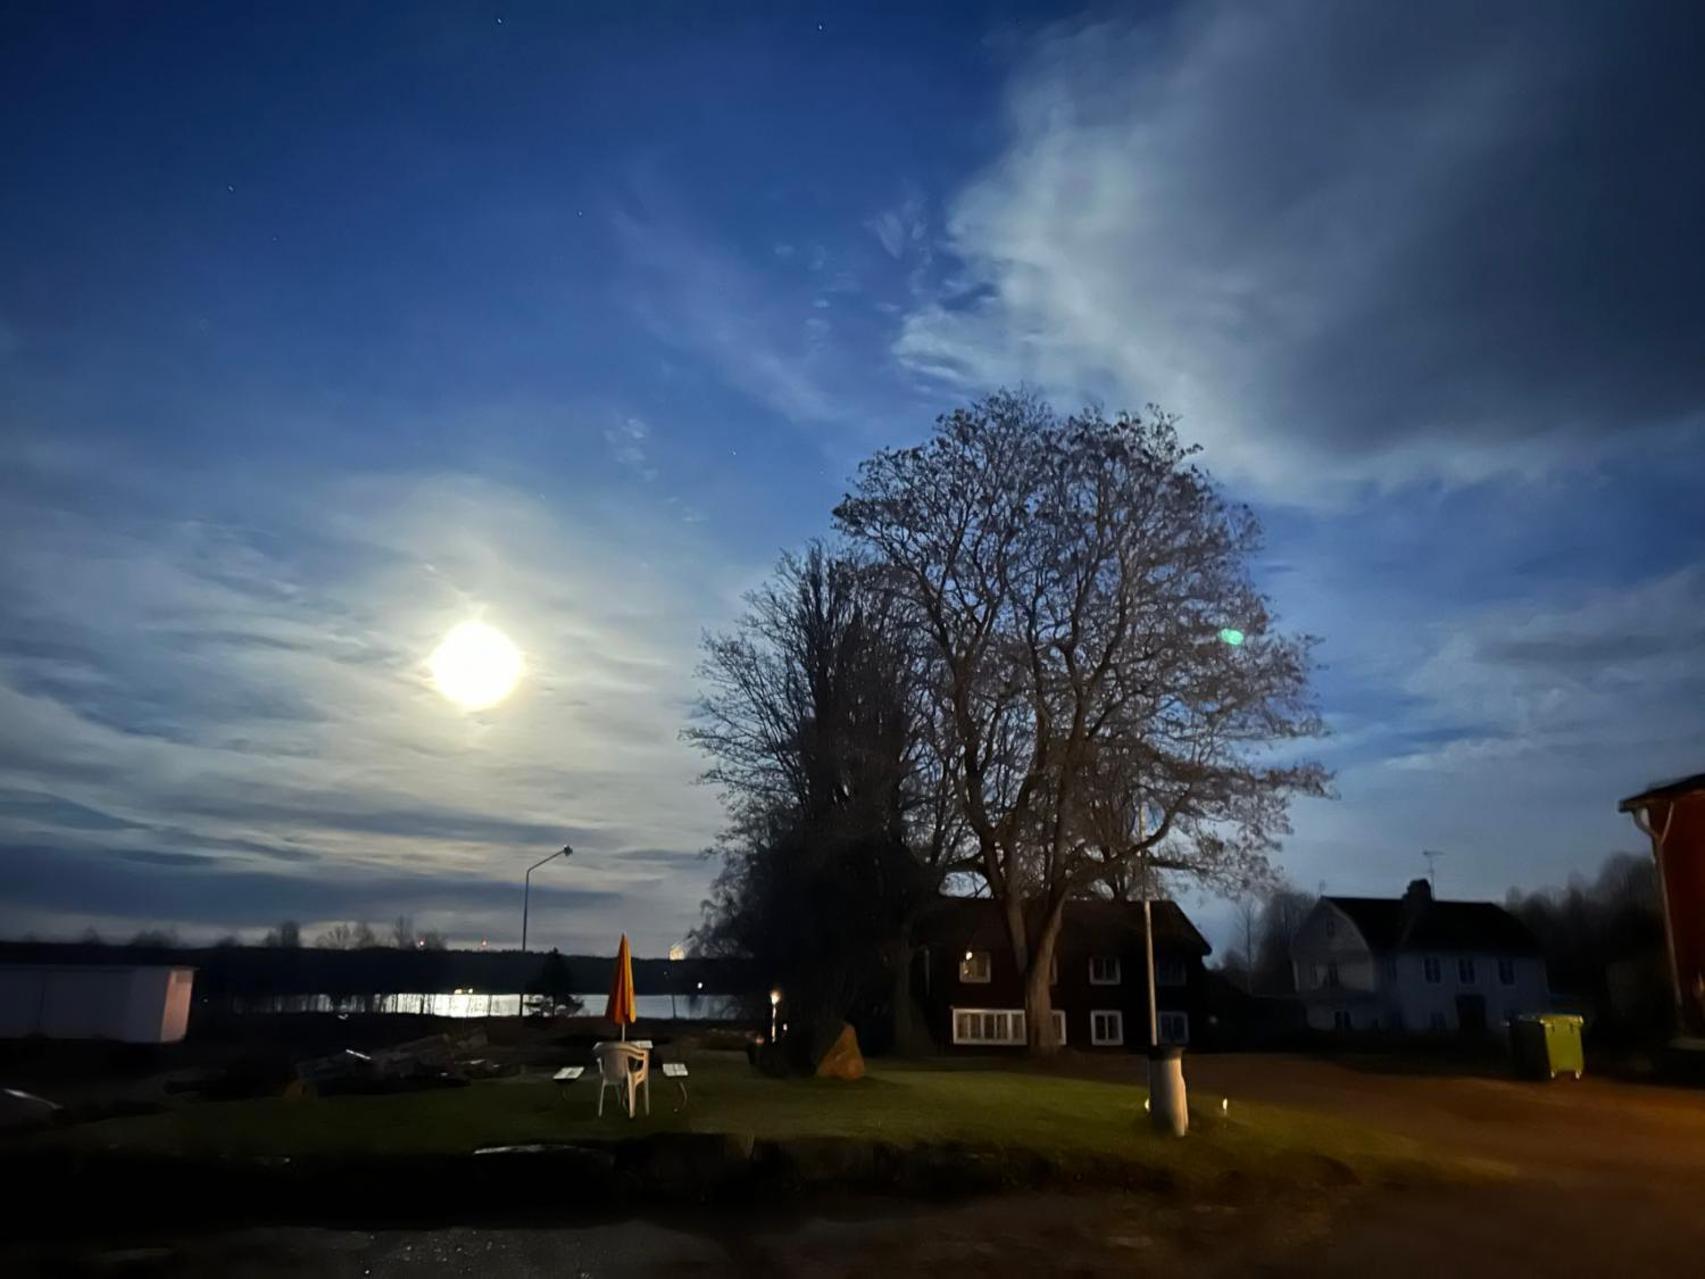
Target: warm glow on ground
[{"x": 476, "y": 666}]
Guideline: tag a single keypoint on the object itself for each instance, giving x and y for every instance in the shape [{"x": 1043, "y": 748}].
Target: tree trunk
[
  {"x": 911, "y": 1034},
  {"x": 1041, "y": 1038},
  {"x": 1148, "y": 970}
]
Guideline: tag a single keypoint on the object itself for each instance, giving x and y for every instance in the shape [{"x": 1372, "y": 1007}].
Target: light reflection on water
[{"x": 492, "y": 1004}]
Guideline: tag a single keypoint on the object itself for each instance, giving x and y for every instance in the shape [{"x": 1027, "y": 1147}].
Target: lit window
[
  {"x": 1003, "y": 1026},
  {"x": 1103, "y": 970},
  {"x": 1170, "y": 970},
  {"x": 976, "y": 967},
  {"x": 1174, "y": 1028},
  {"x": 1430, "y": 966},
  {"x": 1465, "y": 971},
  {"x": 1507, "y": 972},
  {"x": 1106, "y": 1027}
]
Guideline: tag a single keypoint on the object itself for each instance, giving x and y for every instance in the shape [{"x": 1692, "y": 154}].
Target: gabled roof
[
  {"x": 1396, "y": 924},
  {"x": 967, "y": 919},
  {"x": 1664, "y": 790}
]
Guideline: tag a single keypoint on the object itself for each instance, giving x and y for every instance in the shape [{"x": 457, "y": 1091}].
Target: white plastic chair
[{"x": 623, "y": 1067}]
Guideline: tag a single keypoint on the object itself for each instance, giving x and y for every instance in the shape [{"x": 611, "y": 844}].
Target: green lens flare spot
[{"x": 1231, "y": 635}]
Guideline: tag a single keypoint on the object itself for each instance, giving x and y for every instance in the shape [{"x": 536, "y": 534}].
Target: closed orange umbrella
[{"x": 620, "y": 1009}]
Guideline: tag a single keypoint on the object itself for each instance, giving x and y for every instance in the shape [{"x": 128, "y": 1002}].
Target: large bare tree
[
  {"x": 1111, "y": 682},
  {"x": 818, "y": 726}
]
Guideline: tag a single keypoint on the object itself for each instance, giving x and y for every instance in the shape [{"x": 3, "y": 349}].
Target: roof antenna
[{"x": 1432, "y": 855}]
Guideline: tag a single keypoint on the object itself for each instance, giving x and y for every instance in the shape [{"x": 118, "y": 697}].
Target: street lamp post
[{"x": 527, "y": 889}]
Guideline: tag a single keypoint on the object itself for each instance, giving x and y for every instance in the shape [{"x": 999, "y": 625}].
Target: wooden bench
[
  {"x": 566, "y": 1076},
  {"x": 677, "y": 1070}
]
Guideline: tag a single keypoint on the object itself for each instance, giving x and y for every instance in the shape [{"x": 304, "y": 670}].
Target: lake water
[{"x": 493, "y": 1004}]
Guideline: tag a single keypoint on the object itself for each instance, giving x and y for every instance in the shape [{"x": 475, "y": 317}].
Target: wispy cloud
[
  {"x": 1340, "y": 238},
  {"x": 902, "y": 229},
  {"x": 1505, "y": 733},
  {"x": 226, "y": 698},
  {"x": 629, "y": 442},
  {"x": 701, "y": 298}
]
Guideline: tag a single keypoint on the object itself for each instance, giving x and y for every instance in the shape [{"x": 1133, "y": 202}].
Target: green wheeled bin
[{"x": 1545, "y": 1045}]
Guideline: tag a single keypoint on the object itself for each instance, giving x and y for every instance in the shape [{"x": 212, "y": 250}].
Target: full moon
[{"x": 476, "y": 666}]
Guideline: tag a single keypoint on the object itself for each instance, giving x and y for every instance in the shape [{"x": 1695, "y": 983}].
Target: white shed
[{"x": 132, "y": 1003}]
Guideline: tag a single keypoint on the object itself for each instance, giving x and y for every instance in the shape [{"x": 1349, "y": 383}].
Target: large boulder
[{"x": 843, "y": 1059}]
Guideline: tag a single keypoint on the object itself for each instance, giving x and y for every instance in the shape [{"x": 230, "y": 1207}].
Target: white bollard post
[{"x": 1168, "y": 1107}]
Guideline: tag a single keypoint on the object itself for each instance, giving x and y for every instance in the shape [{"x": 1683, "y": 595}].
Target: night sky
[{"x": 325, "y": 328}]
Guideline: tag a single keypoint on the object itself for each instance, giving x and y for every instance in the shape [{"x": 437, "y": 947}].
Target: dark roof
[
  {"x": 966, "y": 919},
  {"x": 1387, "y": 923},
  {"x": 1664, "y": 790}
]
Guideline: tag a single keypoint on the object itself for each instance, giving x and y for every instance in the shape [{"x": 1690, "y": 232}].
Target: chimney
[{"x": 1416, "y": 898}]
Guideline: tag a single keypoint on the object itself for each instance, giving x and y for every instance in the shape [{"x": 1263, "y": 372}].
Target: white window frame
[
  {"x": 1465, "y": 971},
  {"x": 1008, "y": 1027},
  {"x": 1506, "y": 972},
  {"x": 968, "y": 968},
  {"x": 1011, "y": 1026},
  {"x": 1170, "y": 970},
  {"x": 1432, "y": 970},
  {"x": 1117, "y": 1025},
  {"x": 1181, "y": 1019},
  {"x": 1118, "y": 970}
]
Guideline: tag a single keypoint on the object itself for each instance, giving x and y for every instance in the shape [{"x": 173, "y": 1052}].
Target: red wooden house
[{"x": 1673, "y": 818}]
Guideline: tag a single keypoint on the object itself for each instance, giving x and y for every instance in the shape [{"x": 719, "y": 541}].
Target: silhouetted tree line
[
  {"x": 1603, "y": 940},
  {"x": 1259, "y": 959},
  {"x": 355, "y": 935}
]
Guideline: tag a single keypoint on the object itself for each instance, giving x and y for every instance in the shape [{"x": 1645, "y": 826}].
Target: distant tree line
[
  {"x": 358, "y": 935},
  {"x": 1267, "y": 919},
  {"x": 1603, "y": 940}
]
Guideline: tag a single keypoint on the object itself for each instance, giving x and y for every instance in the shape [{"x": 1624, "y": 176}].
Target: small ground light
[
  {"x": 1231, "y": 635},
  {"x": 1225, "y": 1105}
]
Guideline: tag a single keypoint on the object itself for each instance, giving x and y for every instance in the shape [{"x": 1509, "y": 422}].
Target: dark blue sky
[{"x": 323, "y": 331}]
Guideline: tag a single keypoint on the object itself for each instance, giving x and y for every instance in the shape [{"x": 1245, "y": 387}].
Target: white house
[{"x": 1416, "y": 965}]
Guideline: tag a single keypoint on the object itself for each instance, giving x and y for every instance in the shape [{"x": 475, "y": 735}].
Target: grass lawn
[{"x": 998, "y": 1109}]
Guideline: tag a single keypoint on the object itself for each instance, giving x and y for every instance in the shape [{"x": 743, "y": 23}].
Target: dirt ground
[{"x": 1604, "y": 1177}]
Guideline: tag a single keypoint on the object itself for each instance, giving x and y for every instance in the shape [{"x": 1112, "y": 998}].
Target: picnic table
[{"x": 675, "y": 1070}]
